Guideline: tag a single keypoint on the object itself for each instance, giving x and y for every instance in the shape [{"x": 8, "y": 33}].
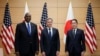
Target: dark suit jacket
[
  {"x": 78, "y": 43},
  {"x": 50, "y": 44},
  {"x": 23, "y": 39}
]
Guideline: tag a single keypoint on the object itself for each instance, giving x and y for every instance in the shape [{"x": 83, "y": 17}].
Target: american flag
[
  {"x": 90, "y": 34},
  {"x": 43, "y": 19},
  {"x": 7, "y": 34}
]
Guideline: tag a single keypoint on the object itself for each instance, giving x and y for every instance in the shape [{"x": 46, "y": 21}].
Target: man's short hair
[
  {"x": 75, "y": 20},
  {"x": 26, "y": 14},
  {"x": 49, "y": 19}
]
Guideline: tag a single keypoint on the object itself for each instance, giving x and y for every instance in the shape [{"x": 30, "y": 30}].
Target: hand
[
  {"x": 67, "y": 53},
  {"x": 57, "y": 53},
  {"x": 37, "y": 52},
  {"x": 82, "y": 54},
  {"x": 17, "y": 54},
  {"x": 43, "y": 54}
]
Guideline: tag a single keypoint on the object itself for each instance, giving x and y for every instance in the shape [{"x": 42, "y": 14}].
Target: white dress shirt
[
  {"x": 29, "y": 25},
  {"x": 75, "y": 30}
]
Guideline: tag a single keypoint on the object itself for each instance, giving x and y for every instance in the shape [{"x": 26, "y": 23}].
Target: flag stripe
[
  {"x": 90, "y": 34},
  {"x": 6, "y": 46},
  {"x": 90, "y": 42},
  {"x": 90, "y": 46},
  {"x": 7, "y": 34},
  {"x": 6, "y": 39},
  {"x": 12, "y": 36}
]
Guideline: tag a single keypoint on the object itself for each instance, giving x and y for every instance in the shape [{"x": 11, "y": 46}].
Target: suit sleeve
[
  {"x": 58, "y": 41},
  {"x": 17, "y": 36},
  {"x": 67, "y": 42},
  {"x": 37, "y": 40},
  {"x": 42, "y": 41},
  {"x": 83, "y": 42}
]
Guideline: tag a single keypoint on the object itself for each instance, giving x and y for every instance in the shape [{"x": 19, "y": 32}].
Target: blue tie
[
  {"x": 50, "y": 32},
  {"x": 29, "y": 28}
]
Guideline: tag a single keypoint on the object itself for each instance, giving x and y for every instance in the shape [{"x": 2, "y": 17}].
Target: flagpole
[
  {"x": 7, "y": 1},
  {"x": 45, "y": 1},
  {"x": 89, "y": 1}
]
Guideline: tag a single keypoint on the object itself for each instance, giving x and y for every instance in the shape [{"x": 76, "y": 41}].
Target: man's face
[
  {"x": 74, "y": 24},
  {"x": 49, "y": 23},
  {"x": 28, "y": 17}
]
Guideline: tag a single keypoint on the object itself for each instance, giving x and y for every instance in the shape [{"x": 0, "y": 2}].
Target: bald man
[{"x": 26, "y": 38}]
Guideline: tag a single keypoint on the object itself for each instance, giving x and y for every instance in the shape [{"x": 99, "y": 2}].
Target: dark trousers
[
  {"x": 27, "y": 54},
  {"x": 74, "y": 53},
  {"x": 30, "y": 53},
  {"x": 51, "y": 53}
]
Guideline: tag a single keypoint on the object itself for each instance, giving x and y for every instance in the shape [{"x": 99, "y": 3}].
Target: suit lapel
[
  {"x": 72, "y": 33},
  {"x": 46, "y": 32},
  {"x": 53, "y": 32},
  {"x": 76, "y": 32},
  {"x": 26, "y": 27},
  {"x": 32, "y": 28}
]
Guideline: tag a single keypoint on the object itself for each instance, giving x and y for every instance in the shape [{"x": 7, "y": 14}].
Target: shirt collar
[
  {"x": 26, "y": 22},
  {"x": 49, "y": 27}
]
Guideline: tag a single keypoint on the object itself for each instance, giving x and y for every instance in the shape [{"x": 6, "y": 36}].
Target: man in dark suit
[
  {"x": 50, "y": 43},
  {"x": 26, "y": 38},
  {"x": 75, "y": 41}
]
